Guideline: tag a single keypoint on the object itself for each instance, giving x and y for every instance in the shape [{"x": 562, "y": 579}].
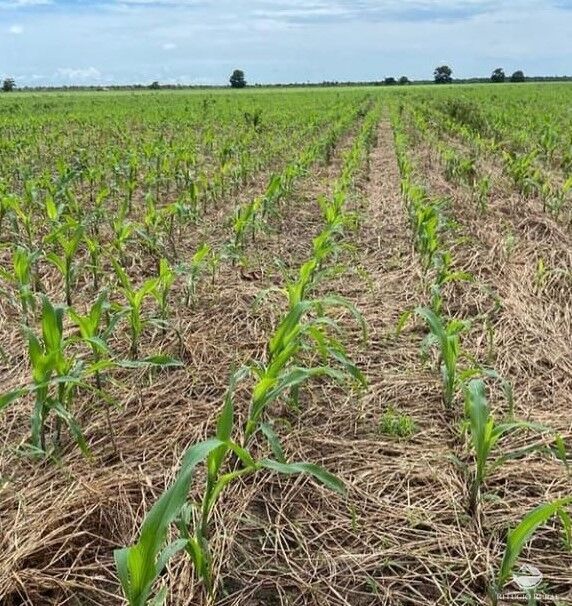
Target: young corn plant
[
  {"x": 310, "y": 273},
  {"x": 481, "y": 192},
  {"x": 442, "y": 263},
  {"x": 426, "y": 219},
  {"x": 135, "y": 297},
  {"x": 247, "y": 219},
  {"x": 298, "y": 332},
  {"x": 196, "y": 267},
  {"x": 163, "y": 285},
  {"x": 519, "y": 536},
  {"x": 140, "y": 566},
  {"x": 55, "y": 380},
  {"x": 95, "y": 336},
  {"x": 68, "y": 238},
  {"x": 521, "y": 168},
  {"x": 446, "y": 336},
  {"x": 24, "y": 279},
  {"x": 485, "y": 435},
  {"x": 122, "y": 233},
  {"x": 151, "y": 229},
  {"x": 94, "y": 250}
]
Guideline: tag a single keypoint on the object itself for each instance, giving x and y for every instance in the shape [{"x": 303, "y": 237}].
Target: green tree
[
  {"x": 8, "y": 85},
  {"x": 155, "y": 85},
  {"x": 443, "y": 75},
  {"x": 237, "y": 79},
  {"x": 498, "y": 75},
  {"x": 390, "y": 81},
  {"x": 403, "y": 80},
  {"x": 518, "y": 76}
]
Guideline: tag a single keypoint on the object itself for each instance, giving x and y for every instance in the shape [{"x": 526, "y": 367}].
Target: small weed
[{"x": 393, "y": 423}]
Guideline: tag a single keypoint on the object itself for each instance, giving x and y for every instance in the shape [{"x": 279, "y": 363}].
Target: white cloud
[
  {"x": 23, "y": 3},
  {"x": 169, "y": 46},
  {"x": 16, "y": 30},
  {"x": 88, "y": 73}
]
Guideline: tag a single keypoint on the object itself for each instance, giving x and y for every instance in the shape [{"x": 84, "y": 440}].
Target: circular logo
[{"x": 528, "y": 577}]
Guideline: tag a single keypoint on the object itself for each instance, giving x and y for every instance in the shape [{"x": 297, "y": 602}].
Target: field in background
[{"x": 317, "y": 342}]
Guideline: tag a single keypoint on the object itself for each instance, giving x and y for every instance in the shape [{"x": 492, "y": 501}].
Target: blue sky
[{"x": 201, "y": 41}]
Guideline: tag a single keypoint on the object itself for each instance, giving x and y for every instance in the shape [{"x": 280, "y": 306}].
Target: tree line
[{"x": 442, "y": 74}]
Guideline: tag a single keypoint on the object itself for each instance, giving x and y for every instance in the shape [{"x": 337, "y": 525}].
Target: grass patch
[{"x": 394, "y": 423}]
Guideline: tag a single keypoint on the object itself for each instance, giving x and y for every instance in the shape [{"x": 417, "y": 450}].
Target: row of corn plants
[
  {"x": 463, "y": 377},
  {"x": 303, "y": 345},
  {"x": 521, "y": 167},
  {"x": 251, "y": 217}
]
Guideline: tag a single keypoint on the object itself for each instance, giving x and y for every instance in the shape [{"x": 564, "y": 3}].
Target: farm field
[{"x": 303, "y": 347}]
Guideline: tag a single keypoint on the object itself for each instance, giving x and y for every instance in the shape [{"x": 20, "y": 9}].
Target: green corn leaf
[
  {"x": 59, "y": 262},
  {"x": 318, "y": 473},
  {"x": 52, "y": 325},
  {"x": 334, "y": 300},
  {"x": 518, "y": 537},
  {"x": 171, "y": 550},
  {"x": 222, "y": 482},
  {"x": 73, "y": 426},
  {"x": 137, "y": 565},
  {"x": 403, "y": 320},
  {"x": 243, "y": 454},
  {"x": 274, "y": 442},
  {"x": 567, "y": 524},
  {"x": 226, "y": 418},
  {"x": 160, "y": 598},
  {"x": 12, "y": 396},
  {"x": 288, "y": 327}
]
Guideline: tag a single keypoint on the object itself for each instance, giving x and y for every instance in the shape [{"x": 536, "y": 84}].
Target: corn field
[{"x": 286, "y": 348}]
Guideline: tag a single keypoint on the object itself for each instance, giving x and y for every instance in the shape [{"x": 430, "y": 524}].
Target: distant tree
[
  {"x": 155, "y": 85},
  {"x": 237, "y": 79},
  {"x": 518, "y": 76},
  {"x": 390, "y": 81},
  {"x": 403, "y": 80},
  {"x": 498, "y": 75},
  {"x": 8, "y": 85},
  {"x": 443, "y": 75}
]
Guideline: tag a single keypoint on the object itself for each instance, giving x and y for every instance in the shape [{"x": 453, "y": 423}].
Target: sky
[{"x": 99, "y": 42}]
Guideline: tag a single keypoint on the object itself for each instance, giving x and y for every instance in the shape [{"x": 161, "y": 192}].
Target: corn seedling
[
  {"x": 295, "y": 333},
  {"x": 135, "y": 298},
  {"x": 94, "y": 250},
  {"x": 485, "y": 435},
  {"x": 522, "y": 171},
  {"x": 163, "y": 285},
  {"x": 519, "y": 536},
  {"x": 151, "y": 229},
  {"x": 68, "y": 238},
  {"x": 122, "y": 232},
  {"x": 95, "y": 337},
  {"x": 55, "y": 379},
  {"x": 481, "y": 192},
  {"x": 140, "y": 566},
  {"x": 442, "y": 263},
  {"x": 195, "y": 269},
  {"x": 446, "y": 336},
  {"x": 23, "y": 277},
  {"x": 425, "y": 216}
]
